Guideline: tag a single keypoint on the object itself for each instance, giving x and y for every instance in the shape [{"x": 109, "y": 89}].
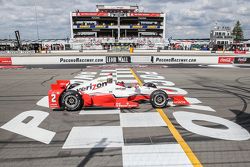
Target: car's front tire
[
  {"x": 71, "y": 100},
  {"x": 159, "y": 99}
]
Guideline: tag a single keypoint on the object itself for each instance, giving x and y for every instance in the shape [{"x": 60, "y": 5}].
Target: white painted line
[
  {"x": 84, "y": 77},
  {"x": 106, "y": 74},
  {"x": 97, "y": 112},
  {"x": 125, "y": 76},
  {"x": 88, "y": 73},
  {"x": 199, "y": 107},
  {"x": 127, "y": 81},
  {"x": 109, "y": 71},
  {"x": 149, "y": 119},
  {"x": 123, "y": 72},
  {"x": 167, "y": 155},
  {"x": 223, "y": 66},
  {"x": 193, "y": 100},
  {"x": 44, "y": 102},
  {"x": 123, "y": 69},
  {"x": 94, "y": 137}
]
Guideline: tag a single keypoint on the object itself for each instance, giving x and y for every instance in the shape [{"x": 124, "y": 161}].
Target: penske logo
[{"x": 93, "y": 86}]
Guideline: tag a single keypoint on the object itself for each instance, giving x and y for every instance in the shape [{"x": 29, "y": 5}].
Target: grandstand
[{"x": 117, "y": 26}]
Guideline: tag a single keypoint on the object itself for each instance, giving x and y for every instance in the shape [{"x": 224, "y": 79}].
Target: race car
[{"x": 105, "y": 92}]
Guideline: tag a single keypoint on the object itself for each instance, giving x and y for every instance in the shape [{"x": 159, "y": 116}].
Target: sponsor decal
[
  {"x": 80, "y": 60},
  {"x": 226, "y": 60},
  {"x": 93, "y": 86},
  {"x": 118, "y": 59},
  {"x": 5, "y": 61},
  {"x": 174, "y": 60},
  {"x": 242, "y": 60}
]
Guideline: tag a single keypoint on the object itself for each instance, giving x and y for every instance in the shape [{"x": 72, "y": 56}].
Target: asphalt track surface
[{"x": 224, "y": 90}]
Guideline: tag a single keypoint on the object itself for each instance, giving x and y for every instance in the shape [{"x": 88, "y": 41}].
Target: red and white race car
[{"x": 104, "y": 92}]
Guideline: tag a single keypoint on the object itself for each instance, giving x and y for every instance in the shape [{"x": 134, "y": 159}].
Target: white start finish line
[
  {"x": 94, "y": 137},
  {"x": 164, "y": 155}
]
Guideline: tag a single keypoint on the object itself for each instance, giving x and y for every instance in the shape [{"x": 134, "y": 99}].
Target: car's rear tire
[
  {"x": 150, "y": 85},
  {"x": 159, "y": 99},
  {"x": 71, "y": 100}
]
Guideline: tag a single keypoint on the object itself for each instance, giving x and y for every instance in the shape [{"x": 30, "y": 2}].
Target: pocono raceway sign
[
  {"x": 183, "y": 116},
  {"x": 185, "y": 59},
  {"x": 59, "y": 60}
]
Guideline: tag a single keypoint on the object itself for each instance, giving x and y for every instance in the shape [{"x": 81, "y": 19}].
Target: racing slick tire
[
  {"x": 71, "y": 100},
  {"x": 159, "y": 99},
  {"x": 150, "y": 85}
]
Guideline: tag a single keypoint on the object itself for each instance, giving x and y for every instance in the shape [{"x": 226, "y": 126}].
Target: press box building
[{"x": 111, "y": 27}]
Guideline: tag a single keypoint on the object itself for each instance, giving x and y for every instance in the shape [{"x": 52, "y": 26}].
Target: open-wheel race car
[{"x": 106, "y": 93}]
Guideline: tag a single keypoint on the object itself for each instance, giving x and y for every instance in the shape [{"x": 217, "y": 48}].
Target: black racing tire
[
  {"x": 150, "y": 85},
  {"x": 71, "y": 100},
  {"x": 159, "y": 99}
]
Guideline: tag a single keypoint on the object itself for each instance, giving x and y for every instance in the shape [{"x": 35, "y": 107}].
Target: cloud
[{"x": 185, "y": 18}]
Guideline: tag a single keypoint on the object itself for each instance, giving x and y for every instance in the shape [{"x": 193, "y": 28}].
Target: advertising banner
[
  {"x": 226, "y": 60},
  {"x": 153, "y": 27},
  {"x": 84, "y": 26},
  {"x": 242, "y": 60},
  {"x": 118, "y": 59},
  {"x": 5, "y": 61},
  {"x": 99, "y": 26},
  {"x": 145, "y": 14},
  {"x": 59, "y": 60},
  {"x": 185, "y": 60},
  {"x": 90, "y": 14},
  {"x": 135, "y": 26}
]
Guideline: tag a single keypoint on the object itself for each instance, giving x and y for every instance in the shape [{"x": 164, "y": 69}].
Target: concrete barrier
[{"x": 134, "y": 59}]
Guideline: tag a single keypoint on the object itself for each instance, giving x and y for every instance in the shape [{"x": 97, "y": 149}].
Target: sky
[{"x": 185, "y": 18}]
